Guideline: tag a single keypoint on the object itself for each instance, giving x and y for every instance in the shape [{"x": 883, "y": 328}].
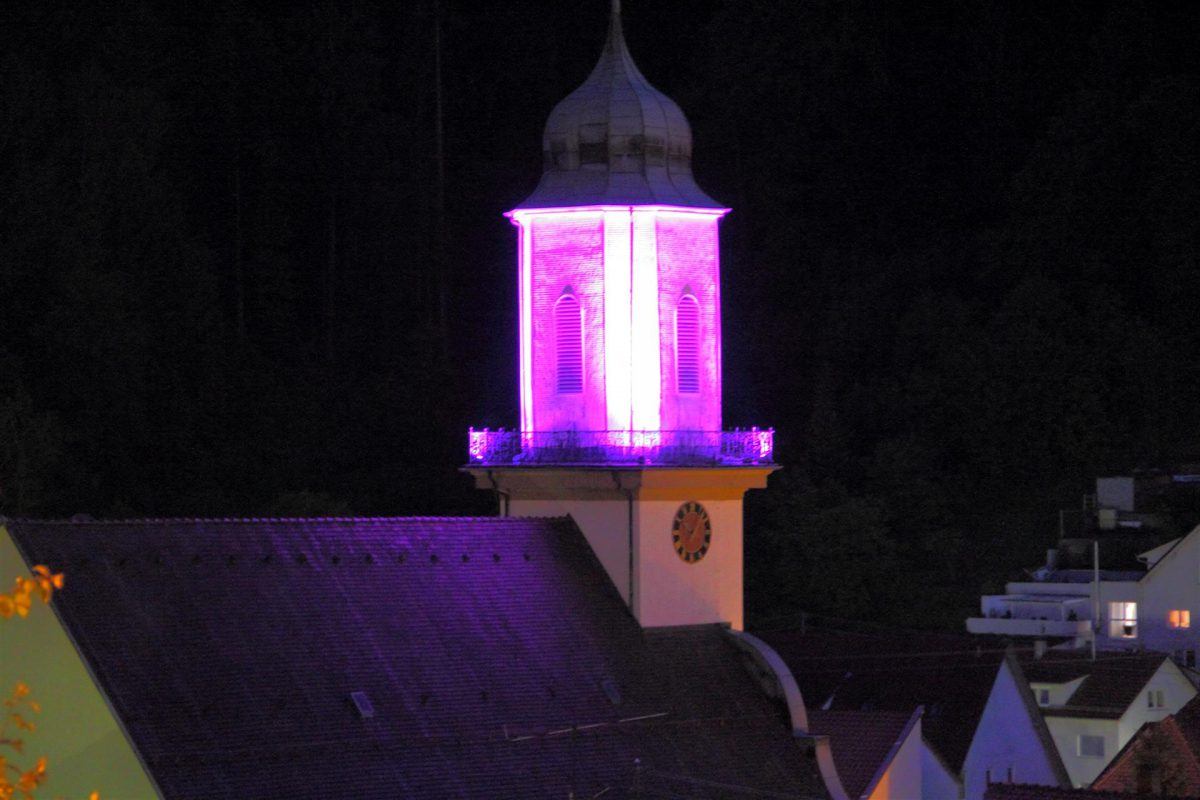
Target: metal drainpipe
[
  {"x": 502, "y": 498},
  {"x": 629, "y": 503}
]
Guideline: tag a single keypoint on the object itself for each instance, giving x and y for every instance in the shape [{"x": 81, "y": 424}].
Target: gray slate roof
[
  {"x": 616, "y": 140},
  {"x": 498, "y": 657}
]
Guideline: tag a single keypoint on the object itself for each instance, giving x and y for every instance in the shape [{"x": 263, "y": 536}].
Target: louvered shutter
[
  {"x": 687, "y": 346},
  {"x": 568, "y": 338}
]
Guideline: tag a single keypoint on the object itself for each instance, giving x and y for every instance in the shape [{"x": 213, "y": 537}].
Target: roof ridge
[{"x": 263, "y": 520}]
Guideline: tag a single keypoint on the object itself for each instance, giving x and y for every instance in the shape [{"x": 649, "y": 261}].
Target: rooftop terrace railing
[{"x": 666, "y": 448}]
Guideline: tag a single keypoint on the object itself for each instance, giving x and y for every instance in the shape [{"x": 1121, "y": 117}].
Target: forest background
[{"x": 247, "y": 268}]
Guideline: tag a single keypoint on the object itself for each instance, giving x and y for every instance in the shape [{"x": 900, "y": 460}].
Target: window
[
  {"x": 1185, "y": 658},
  {"x": 568, "y": 339},
  {"x": 1122, "y": 620},
  {"x": 1043, "y": 697},
  {"x": 687, "y": 345},
  {"x": 1179, "y": 618},
  {"x": 1091, "y": 746},
  {"x": 1155, "y": 699}
]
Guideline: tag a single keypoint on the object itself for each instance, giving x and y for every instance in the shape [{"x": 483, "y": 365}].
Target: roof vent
[
  {"x": 363, "y": 704},
  {"x": 611, "y": 691}
]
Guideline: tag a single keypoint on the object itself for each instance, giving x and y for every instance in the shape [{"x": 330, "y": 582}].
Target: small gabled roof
[
  {"x": 1111, "y": 683},
  {"x": 1189, "y": 538},
  {"x": 864, "y": 743},
  {"x": 1154, "y": 555},
  {"x": 495, "y": 657}
]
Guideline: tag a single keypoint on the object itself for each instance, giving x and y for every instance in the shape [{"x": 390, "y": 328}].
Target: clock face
[{"x": 691, "y": 532}]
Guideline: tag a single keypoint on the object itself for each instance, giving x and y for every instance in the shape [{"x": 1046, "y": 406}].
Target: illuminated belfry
[{"x": 620, "y": 355}]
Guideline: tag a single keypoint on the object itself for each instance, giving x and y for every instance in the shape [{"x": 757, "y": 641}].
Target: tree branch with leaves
[{"x": 17, "y": 783}]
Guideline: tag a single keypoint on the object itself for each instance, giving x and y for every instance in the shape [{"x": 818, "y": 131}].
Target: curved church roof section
[{"x": 616, "y": 140}]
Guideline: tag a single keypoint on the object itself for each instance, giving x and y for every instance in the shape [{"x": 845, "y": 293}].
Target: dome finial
[{"x": 617, "y": 140}]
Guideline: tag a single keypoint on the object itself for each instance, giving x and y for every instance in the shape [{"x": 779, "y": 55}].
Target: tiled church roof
[{"x": 497, "y": 657}]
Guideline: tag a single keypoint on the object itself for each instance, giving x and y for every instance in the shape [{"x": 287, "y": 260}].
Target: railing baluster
[{"x": 753, "y": 446}]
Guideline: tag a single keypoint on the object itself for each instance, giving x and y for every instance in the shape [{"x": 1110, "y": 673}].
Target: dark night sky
[{"x": 959, "y": 278}]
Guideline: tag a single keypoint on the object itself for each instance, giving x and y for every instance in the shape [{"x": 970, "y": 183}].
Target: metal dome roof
[{"x": 617, "y": 140}]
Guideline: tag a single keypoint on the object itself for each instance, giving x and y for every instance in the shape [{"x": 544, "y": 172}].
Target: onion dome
[{"x": 616, "y": 140}]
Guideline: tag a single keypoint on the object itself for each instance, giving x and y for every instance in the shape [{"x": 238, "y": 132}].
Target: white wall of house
[
  {"x": 1006, "y": 742},
  {"x": 1068, "y": 731},
  {"x": 937, "y": 781},
  {"x": 903, "y": 777},
  {"x": 1173, "y": 585},
  {"x": 85, "y": 747},
  {"x": 1168, "y": 685}
]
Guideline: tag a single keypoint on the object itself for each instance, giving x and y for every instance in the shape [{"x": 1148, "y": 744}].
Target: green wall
[{"x": 77, "y": 732}]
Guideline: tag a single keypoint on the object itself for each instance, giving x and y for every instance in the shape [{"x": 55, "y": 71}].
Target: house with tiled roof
[
  {"x": 1122, "y": 576},
  {"x": 1094, "y": 707},
  {"x": 979, "y": 720},
  {"x": 877, "y": 754},
  {"x": 1012, "y": 742},
  {"x": 1162, "y": 757}
]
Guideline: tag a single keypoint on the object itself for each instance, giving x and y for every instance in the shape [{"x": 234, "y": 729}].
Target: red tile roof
[
  {"x": 863, "y": 743},
  {"x": 1170, "y": 749}
]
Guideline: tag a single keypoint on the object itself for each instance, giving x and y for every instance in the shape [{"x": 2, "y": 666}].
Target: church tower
[{"x": 620, "y": 355}]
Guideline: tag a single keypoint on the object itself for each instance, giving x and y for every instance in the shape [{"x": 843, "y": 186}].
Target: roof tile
[{"x": 230, "y": 649}]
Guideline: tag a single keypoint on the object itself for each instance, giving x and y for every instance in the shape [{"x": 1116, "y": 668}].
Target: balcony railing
[
  {"x": 1005, "y": 626},
  {"x": 670, "y": 448}
]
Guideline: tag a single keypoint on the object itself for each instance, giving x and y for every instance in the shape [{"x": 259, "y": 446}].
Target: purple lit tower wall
[
  {"x": 620, "y": 356},
  {"x": 640, "y": 283},
  {"x": 620, "y": 321}
]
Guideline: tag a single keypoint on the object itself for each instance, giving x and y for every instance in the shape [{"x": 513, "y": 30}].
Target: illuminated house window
[
  {"x": 568, "y": 339},
  {"x": 1179, "y": 618},
  {"x": 687, "y": 346},
  {"x": 1122, "y": 620},
  {"x": 1091, "y": 746}
]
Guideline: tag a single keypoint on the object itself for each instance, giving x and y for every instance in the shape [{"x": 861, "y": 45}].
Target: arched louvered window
[
  {"x": 568, "y": 340},
  {"x": 687, "y": 345}
]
